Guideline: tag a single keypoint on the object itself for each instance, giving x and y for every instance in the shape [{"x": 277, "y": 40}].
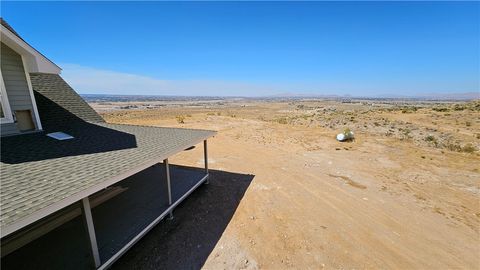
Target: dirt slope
[{"x": 377, "y": 202}]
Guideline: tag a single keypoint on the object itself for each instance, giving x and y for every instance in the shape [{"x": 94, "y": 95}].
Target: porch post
[
  {"x": 87, "y": 214},
  {"x": 205, "y": 158},
  {"x": 169, "y": 187}
]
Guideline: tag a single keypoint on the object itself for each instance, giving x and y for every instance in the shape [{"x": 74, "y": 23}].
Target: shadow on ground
[
  {"x": 182, "y": 243},
  {"x": 186, "y": 241}
]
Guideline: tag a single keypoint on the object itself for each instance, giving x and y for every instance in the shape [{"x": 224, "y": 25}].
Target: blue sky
[{"x": 257, "y": 48}]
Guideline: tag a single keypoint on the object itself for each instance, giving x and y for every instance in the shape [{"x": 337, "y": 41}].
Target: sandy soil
[{"x": 393, "y": 199}]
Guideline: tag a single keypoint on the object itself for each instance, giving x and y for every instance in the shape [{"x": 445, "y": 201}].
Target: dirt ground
[{"x": 405, "y": 194}]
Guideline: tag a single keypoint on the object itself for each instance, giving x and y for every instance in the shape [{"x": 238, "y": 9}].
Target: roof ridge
[{"x": 10, "y": 28}]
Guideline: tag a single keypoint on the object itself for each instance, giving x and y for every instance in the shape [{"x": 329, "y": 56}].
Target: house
[{"x": 77, "y": 192}]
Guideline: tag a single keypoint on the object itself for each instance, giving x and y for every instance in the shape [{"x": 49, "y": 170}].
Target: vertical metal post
[
  {"x": 87, "y": 214},
  {"x": 169, "y": 187},
  {"x": 205, "y": 158}
]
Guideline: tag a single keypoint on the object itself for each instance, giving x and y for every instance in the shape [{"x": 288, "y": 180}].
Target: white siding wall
[{"x": 16, "y": 85}]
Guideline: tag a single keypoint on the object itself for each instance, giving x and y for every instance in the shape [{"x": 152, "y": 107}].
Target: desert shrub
[
  {"x": 453, "y": 147},
  {"x": 219, "y": 113},
  {"x": 468, "y": 123},
  {"x": 282, "y": 120},
  {"x": 210, "y": 113},
  {"x": 349, "y": 136},
  {"x": 431, "y": 139},
  {"x": 306, "y": 116},
  {"x": 459, "y": 107},
  {"x": 440, "y": 109},
  {"x": 180, "y": 119},
  {"x": 475, "y": 107},
  {"x": 409, "y": 109},
  {"x": 406, "y": 133},
  {"x": 468, "y": 148}
]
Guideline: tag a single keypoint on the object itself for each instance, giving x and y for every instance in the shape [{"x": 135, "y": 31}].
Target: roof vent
[{"x": 60, "y": 136}]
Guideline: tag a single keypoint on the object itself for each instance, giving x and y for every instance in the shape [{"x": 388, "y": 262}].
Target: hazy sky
[{"x": 257, "y": 48}]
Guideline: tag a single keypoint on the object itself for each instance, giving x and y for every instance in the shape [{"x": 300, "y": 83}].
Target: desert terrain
[{"x": 405, "y": 194}]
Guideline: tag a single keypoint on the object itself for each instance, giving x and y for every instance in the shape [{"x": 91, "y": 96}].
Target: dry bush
[
  {"x": 440, "y": 109},
  {"x": 409, "y": 109},
  {"x": 180, "y": 119},
  {"x": 282, "y": 120},
  {"x": 453, "y": 147},
  {"x": 430, "y": 138},
  {"x": 406, "y": 134},
  {"x": 306, "y": 116},
  {"x": 469, "y": 148}
]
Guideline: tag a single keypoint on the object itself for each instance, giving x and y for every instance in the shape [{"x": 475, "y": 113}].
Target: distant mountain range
[
  {"x": 439, "y": 96},
  {"x": 431, "y": 96}
]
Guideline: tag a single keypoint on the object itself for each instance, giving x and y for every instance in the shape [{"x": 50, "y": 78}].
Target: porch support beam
[
  {"x": 169, "y": 186},
  {"x": 87, "y": 215},
  {"x": 205, "y": 158}
]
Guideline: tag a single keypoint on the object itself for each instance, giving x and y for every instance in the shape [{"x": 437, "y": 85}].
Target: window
[{"x": 5, "y": 111}]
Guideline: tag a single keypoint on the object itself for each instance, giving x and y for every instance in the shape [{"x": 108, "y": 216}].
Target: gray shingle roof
[
  {"x": 41, "y": 175},
  {"x": 38, "y": 171},
  {"x": 58, "y": 103}
]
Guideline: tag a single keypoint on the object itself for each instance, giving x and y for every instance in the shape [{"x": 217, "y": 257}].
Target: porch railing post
[
  {"x": 205, "y": 158},
  {"x": 87, "y": 215},
  {"x": 169, "y": 187}
]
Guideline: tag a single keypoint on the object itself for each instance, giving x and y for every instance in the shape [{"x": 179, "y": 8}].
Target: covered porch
[
  {"x": 82, "y": 203},
  {"x": 96, "y": 231}
]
